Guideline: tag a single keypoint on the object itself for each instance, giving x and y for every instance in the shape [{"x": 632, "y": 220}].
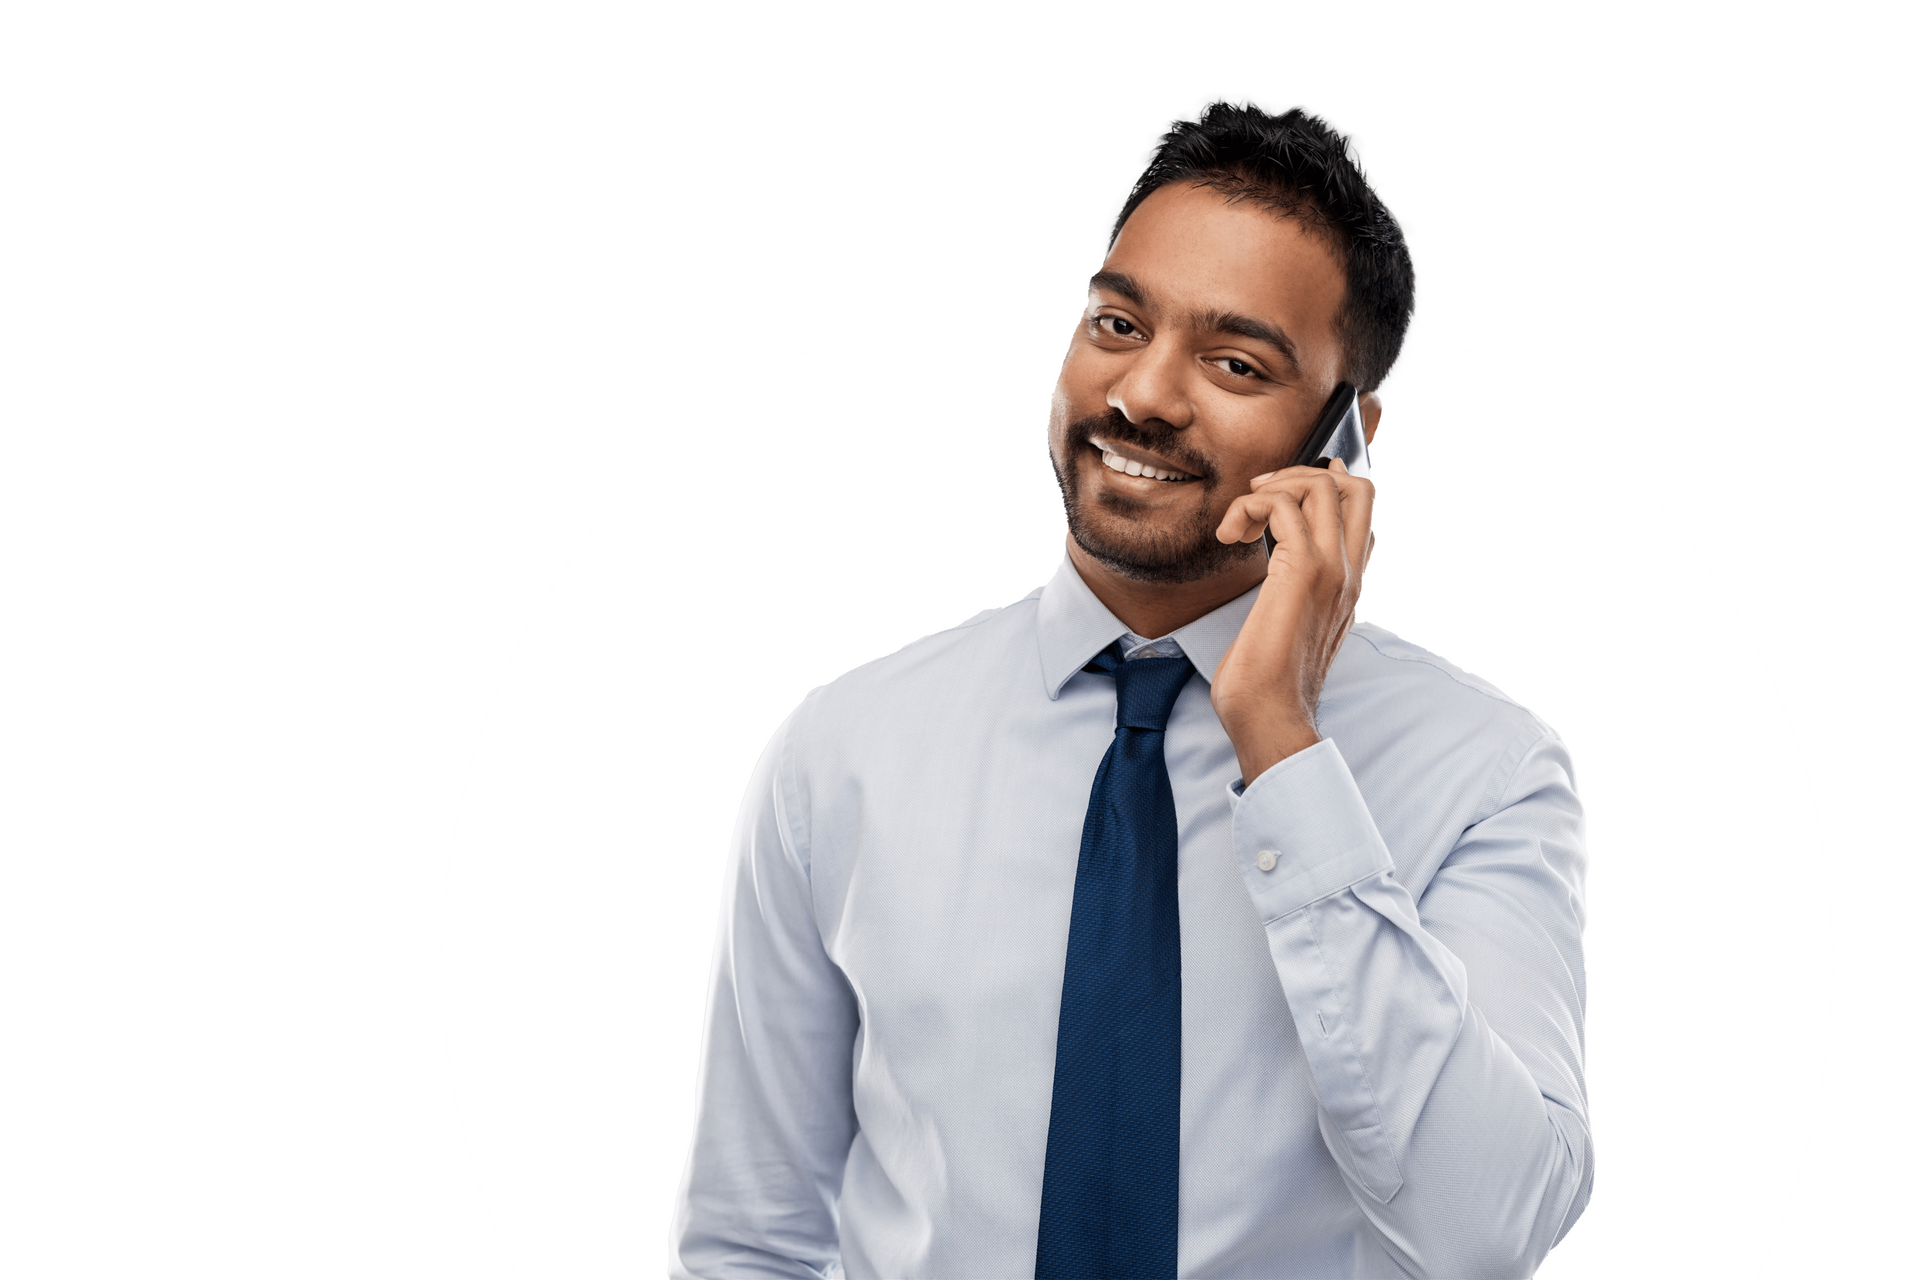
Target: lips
[{"x": 1134, "y": 461}]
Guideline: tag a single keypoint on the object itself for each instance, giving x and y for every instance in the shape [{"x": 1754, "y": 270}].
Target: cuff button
[{"x": 1266, "y": 860}]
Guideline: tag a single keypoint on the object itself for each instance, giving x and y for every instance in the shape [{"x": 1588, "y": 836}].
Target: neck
[{"x": 1153, "y": 609}]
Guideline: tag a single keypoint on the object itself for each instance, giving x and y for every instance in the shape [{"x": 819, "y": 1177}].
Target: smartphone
[{"x": 1337, "y": 433}]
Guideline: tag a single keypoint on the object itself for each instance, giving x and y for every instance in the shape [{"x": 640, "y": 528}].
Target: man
[{"x": 1164, "y": 922}]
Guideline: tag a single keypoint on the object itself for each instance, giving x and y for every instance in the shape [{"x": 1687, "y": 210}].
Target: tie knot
[{"x": 1147, "y": 687}]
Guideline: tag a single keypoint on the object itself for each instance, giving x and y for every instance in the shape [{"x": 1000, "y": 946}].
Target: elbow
[{"x": 1505, "y": 1228}]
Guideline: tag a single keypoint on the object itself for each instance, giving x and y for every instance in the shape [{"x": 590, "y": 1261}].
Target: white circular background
[{"x": 891, "y": 480}]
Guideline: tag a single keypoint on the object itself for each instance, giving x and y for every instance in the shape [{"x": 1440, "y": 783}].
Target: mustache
[{"x": 1152, "y": 435}]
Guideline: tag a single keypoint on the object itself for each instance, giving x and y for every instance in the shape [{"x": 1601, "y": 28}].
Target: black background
[{"x": 571, "y": 271}]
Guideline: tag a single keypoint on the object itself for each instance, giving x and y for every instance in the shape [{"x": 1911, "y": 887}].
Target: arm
[
  {"x": 775, "y": 1111},
  {"x": 1443, "y": 1037}
]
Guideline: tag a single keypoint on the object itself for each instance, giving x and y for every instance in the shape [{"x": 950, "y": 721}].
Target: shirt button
[
  {"x": 1266, "y": 860},
  {"x": 1147, "y": 653}
]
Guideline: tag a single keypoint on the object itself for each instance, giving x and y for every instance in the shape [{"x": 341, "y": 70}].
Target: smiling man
[{"x": 1165, "y": 922}]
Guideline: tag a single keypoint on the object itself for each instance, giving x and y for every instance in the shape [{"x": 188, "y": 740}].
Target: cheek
[
  {"x": 1061, "y": 411},
  {"x": 1072, "y": 401},
  {"x": 1060, "y": 417},
  {"x": 1082, "y": 387},
  {"x": 1250, "y": 447}
]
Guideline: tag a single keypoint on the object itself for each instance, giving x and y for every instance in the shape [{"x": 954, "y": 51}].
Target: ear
[{"x": 1370, "y": 414}]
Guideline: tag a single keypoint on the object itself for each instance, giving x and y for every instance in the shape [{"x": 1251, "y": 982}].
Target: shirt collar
[{"x": 1074, "y": 626}]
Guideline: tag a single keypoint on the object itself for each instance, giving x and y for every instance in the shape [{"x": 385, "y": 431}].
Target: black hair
[{"x": 1296, "y": 166}]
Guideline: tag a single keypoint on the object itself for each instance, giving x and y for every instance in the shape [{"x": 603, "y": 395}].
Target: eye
[
  {"x": 1238, "y": 368},
  {"x": 1116, "y": 326}
]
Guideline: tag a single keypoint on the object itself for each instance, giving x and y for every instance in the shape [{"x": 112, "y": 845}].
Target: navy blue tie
[{"x": 1110, "y": 1200}]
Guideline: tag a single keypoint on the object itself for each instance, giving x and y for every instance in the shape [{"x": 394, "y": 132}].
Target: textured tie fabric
[{"x": 1110, "y": 1199}]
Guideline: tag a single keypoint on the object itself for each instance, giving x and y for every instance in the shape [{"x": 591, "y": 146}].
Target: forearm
[
  {"x": 770, "y": 1142},
  {"x": 775, "y": 1116},
  {"x": 1460, "y": 1130},
  {"x": 1454, "y": 1151}
]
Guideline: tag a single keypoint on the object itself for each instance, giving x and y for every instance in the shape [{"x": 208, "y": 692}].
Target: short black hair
[{"x": 1296, "y": 166}]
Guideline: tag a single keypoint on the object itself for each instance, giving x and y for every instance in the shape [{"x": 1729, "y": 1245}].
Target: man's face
[{"x": 1207, "y": 349}]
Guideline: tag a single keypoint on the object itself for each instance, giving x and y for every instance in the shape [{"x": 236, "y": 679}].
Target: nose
[{"x": 1154, "y": 386}]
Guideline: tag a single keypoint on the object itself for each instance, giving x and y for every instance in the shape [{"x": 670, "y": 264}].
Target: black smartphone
[{"x": 1337, "y": 433}]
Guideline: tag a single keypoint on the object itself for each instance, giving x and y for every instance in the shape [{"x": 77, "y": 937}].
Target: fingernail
[{"x": 1263, "y": 476}]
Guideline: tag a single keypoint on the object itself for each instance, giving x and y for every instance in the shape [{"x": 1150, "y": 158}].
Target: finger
[
  {"x": 1295, "y": 483},
  {"x": 1356, "y": 515},
  {"x": 1321, "y": 504},
  {"x": 1302, "y": 472},
  {"x": 1287, "y": 522},
  {"x": 1253, "y": 512},
  {"x": 1355, "y": 499},
  {"x": 1356, "y": 510},
  {"x": 1249, "y": 514}
]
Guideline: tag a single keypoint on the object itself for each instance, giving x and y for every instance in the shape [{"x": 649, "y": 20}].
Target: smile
[{"x": 1118, "y": 459}]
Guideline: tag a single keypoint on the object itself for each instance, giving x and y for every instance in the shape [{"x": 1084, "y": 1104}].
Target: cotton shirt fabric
[{"x": 1382, "y": 987}]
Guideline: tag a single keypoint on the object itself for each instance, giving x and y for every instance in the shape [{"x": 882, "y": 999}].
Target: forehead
[{"x": 1195, "y": 252}]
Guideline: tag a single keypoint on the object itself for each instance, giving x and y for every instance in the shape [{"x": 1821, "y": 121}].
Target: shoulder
[
  {"x": 963, "y": 662},
  {"x": 1376, "y": 654},
  {"x": 1406, "y": 698},
  {"x": 988, "y": 637}
]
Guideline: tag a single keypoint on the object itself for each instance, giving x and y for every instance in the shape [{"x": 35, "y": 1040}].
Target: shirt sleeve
[
  {"x": 774, "y": 1116},
  {"x": 1444, "y": 1036}
]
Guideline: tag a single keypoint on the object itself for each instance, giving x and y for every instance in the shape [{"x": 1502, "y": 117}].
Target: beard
[{"x": 1113, "y": 529}]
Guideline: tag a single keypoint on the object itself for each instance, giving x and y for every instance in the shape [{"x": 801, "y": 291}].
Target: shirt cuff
[{"x": 1302, "y": 831}]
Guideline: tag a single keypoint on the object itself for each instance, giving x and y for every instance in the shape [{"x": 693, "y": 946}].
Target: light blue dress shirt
[{"x": 1382, "y": 988}]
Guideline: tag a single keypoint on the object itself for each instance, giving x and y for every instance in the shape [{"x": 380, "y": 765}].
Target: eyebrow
[
  {"x": 1253, "y": 330},
  {"x": 1124, "y": 285},
  {"x": 1215, "y": 321}
]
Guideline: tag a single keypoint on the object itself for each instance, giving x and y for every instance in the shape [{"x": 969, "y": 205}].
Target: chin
[
  {"x": 1147, "y": 553},
  {"x": 1125, "y": 536}
]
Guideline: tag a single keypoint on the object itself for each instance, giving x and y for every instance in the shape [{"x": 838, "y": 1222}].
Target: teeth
[{"x": 1129, "y": 466}]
